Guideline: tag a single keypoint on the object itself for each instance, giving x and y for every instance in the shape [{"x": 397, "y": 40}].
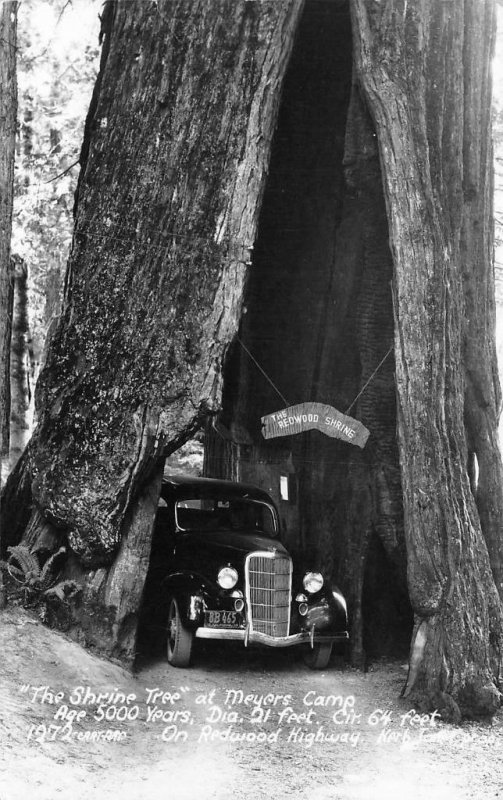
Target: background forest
[{"x": 58, "y": 56}]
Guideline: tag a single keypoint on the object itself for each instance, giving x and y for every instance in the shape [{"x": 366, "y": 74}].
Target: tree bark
[
  {"x": 420, "y": 88},
  {"x": 482, "y": 389},
  {"x": 176, "y": 147},
  {"x": 19, "y": 364},
  {"x": 7, "y": 295},
  {"x": 8, "y": 104}
]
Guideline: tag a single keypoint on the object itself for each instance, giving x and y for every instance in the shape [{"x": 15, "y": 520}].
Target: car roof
[{"x": 188, "y": 485}]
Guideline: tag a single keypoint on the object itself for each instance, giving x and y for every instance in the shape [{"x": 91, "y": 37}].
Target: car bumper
[{"x": 255, "y": 637}]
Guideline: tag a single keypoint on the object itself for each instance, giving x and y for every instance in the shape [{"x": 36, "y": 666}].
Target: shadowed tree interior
[{"x": 319, "y": 321}]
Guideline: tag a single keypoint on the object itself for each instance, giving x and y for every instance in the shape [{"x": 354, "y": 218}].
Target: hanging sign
[{"x": 315, "y": 416}]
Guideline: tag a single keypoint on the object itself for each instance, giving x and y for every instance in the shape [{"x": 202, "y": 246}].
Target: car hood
[{"x": 227, "y": 543}]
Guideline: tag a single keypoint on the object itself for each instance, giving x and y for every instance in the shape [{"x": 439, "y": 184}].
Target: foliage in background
[
  {"x": 57, "y": 65},
  {"x": 188, "y": 459}
]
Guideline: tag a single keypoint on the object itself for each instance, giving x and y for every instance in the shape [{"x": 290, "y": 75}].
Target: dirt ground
[{"x": 238, "y": 724}]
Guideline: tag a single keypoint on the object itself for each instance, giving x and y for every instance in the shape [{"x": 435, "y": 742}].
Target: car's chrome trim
[
  {"x": 271, "y": 555},
  {"x": 239, "y": 634}
]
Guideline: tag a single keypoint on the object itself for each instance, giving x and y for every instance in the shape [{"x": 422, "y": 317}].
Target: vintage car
[{"x": 220, "y": 571}]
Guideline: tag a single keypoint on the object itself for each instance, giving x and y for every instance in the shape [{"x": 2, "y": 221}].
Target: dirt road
[{"x": 241, "y": 725}]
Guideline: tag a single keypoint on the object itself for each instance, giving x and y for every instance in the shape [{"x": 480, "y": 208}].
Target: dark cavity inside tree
[
  {"x": 319, "y": 320},
  {"x": 373, "y": 237}
]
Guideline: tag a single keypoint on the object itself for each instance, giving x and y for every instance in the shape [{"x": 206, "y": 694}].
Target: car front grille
[{"x": 268, "y": 593}]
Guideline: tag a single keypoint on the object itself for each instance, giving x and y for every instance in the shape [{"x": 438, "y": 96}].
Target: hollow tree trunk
[
  {"x": 419, "y": 71},
  {"x": 319, "y": 321},
  {"x": 176, "y": 146},
  {"x": 8, "y": 104},
  {"x": 432, "y": 133}
]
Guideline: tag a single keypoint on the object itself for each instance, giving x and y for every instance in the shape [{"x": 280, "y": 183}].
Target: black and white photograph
[{"x": 251, "y": 358}]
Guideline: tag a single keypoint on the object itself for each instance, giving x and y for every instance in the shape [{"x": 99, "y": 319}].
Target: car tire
[
  {"x": 319, "y": 656},
  {"x": 180, "y": 639}
]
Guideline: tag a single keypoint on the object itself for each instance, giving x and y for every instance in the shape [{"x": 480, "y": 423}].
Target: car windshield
[{"x": 222, "y": 514}]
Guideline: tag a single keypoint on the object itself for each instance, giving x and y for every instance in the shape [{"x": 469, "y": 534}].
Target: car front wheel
[
  {"x": 180, "y": 640},
  {"x": 319, "y": 656}
]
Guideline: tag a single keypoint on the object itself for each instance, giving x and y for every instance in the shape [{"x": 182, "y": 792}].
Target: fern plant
[{"x": 35, "y": 580}]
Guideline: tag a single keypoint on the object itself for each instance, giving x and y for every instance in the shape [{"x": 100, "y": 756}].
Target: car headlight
[
  {"x": 227, "y": 577},
  {"x": 312, "y": 582}
]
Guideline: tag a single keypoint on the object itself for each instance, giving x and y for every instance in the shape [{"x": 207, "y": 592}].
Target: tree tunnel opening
[{"x": 318, "y": 319}]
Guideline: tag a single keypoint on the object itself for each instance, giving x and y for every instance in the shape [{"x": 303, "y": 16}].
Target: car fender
[
  {"x": 190, "y": 591},
  {"x": 327, "y": 610},
  {"x": 338, "y": 606}
]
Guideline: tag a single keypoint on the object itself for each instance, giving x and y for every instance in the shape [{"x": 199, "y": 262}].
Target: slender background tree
[
  {"x": 8, "y": 105},
  {"x": 8, "y": 101}
]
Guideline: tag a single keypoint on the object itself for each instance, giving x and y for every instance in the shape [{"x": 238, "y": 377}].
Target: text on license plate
[{"x": 222, "y": 619}]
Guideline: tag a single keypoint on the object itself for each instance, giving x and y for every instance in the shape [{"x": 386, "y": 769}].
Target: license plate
[{"x": 222, "y": 619}]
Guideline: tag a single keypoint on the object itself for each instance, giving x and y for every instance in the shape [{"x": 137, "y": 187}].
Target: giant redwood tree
[
  {"x": 364, "y": 255},
  {"x": 174, "y": 158}
]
